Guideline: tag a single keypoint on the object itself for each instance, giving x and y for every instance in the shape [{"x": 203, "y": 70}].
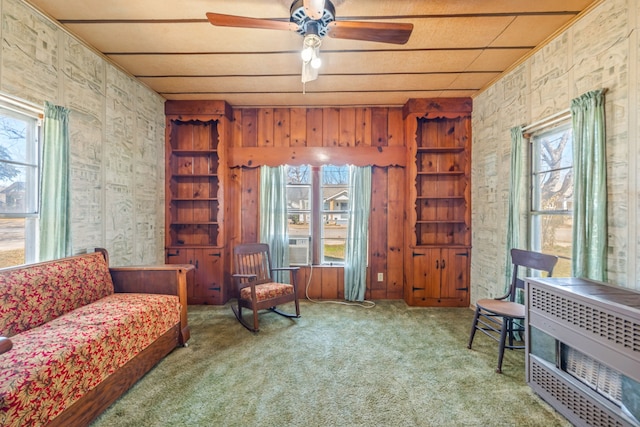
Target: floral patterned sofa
[{"x": 76, "y": 334}]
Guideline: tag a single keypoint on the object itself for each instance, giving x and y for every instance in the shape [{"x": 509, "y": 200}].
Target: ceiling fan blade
[
  {"x": 222, "y": 20},
  {"x": 384, "y": 32},
  {"x": 314, "y": 8}
]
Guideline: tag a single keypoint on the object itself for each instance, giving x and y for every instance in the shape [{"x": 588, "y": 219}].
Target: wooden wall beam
[{"x": 316, "y": 156}]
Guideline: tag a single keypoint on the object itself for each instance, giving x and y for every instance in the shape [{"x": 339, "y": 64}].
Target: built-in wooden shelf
[{"x": 440, "y": 221}]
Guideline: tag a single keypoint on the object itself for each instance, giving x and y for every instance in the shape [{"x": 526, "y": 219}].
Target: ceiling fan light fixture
[
  {"x": 307, "y": 54},
  {"x": 311, "y": 50},
  {"x": 312, "y": 41}
]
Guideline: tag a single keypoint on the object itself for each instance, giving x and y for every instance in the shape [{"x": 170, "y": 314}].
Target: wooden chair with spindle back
[{"x": 501, "y": 318}]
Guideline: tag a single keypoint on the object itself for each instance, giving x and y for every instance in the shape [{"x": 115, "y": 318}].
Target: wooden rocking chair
[{"x": 257, "y": 289}]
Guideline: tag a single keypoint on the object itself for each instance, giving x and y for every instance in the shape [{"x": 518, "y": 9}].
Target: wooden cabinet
[
  {"x": 206, "y": 287},
  {"x": 440, "y": 277},
  {"x": 195, "y": 173},
  {"x": 439, "y": 218}
]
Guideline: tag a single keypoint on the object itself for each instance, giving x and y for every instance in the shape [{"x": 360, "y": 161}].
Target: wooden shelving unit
[
  {"x": 196, "y": 131},
  {"x": 439, "y": 220}
]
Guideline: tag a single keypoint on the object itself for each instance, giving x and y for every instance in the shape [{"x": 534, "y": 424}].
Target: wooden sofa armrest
[
  {"x": 169, "y": 279},
  {"x": 5, "y": 344}
]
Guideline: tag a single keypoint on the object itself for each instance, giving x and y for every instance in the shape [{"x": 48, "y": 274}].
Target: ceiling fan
[{"x": 315, "y": 19}]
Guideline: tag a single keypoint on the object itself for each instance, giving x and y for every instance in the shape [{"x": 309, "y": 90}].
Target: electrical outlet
[{"x": 380, "y": 277}]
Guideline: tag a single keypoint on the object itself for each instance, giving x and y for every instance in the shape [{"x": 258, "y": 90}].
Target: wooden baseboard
[{"x": 92, "y": 404}]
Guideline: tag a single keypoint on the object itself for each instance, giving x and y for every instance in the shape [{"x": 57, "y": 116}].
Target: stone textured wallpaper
[
  {"x": 600, "y": 50},
  {"x": 117, "y": 134}
]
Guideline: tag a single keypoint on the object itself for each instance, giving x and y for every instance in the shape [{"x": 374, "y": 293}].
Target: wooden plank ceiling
[{"x": 456, "y": 49}]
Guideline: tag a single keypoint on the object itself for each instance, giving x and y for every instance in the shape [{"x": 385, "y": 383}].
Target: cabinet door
[
  {"x": 207, "y": 286},
  {"x": 440, "y": 277},
  {"x": 209, "y": 275},
  {"x": 454, "y": 287},
  {"x": 425, "y": 284}
]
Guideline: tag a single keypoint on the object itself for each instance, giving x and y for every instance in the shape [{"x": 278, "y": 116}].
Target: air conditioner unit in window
[{"x": 299, "y": 251}]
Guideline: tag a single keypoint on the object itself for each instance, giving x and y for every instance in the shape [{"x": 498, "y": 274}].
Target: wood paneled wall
[{"x": 274, "y": 128}]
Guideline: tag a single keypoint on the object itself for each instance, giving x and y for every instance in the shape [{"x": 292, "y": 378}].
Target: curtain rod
[
  {"x": 554, "y": 118},
  {"x": 20, "y": 105}
]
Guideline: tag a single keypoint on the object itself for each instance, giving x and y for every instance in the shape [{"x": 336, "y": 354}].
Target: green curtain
[
  {"x": 589, "y": 256},
  {"x": 273, "y": 216},
  {"x": 513, "y": 215},
  {"x": 55, "y": 199},
  {"x": 355, "y": 260}
]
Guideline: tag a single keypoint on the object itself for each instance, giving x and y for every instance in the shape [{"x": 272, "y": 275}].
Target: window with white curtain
[
  {"x": 19, "y": 179},
  {"x": 317, "y": 211},
  {"x": 550, "y": 215}
]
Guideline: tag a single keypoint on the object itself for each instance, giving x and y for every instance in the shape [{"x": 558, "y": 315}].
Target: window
[
  {"x": 19, "y": 175},
  {"x": 551, "y": 215},
  {"x": 299, "y": 214},
  {"x": 317, "y": 209}
]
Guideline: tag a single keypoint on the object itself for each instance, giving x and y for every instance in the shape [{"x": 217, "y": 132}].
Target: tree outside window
[
  {"x": 551, "y": 217},
  {"x": 19, "y": 174}
]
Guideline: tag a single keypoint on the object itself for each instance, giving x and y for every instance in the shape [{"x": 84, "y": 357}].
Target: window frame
[
  {"x": 32, "y": 114},
  {"x": 535, "y": 211},
  {"x": 316, "y": 214},
  {"x": 301, "y": 211}
]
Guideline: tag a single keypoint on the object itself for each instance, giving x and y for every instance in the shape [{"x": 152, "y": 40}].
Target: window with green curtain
[{"x": 324, "y": 211}]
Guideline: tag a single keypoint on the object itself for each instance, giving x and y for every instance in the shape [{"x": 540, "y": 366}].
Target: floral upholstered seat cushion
[
  {"x": 30, "y": 297},
  {"x": 51, "y": 366},
  {"x": 267, "y": 291}
]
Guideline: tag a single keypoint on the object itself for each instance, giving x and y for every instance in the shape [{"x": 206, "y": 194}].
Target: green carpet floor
[{"x": 391, "y": 365}]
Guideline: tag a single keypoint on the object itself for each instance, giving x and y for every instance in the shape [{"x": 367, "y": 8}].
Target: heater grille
[
  {"x": 589, "y": 411},
  {"x": 593, "y": 373},
  {"x": 607, "y": 325}
]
